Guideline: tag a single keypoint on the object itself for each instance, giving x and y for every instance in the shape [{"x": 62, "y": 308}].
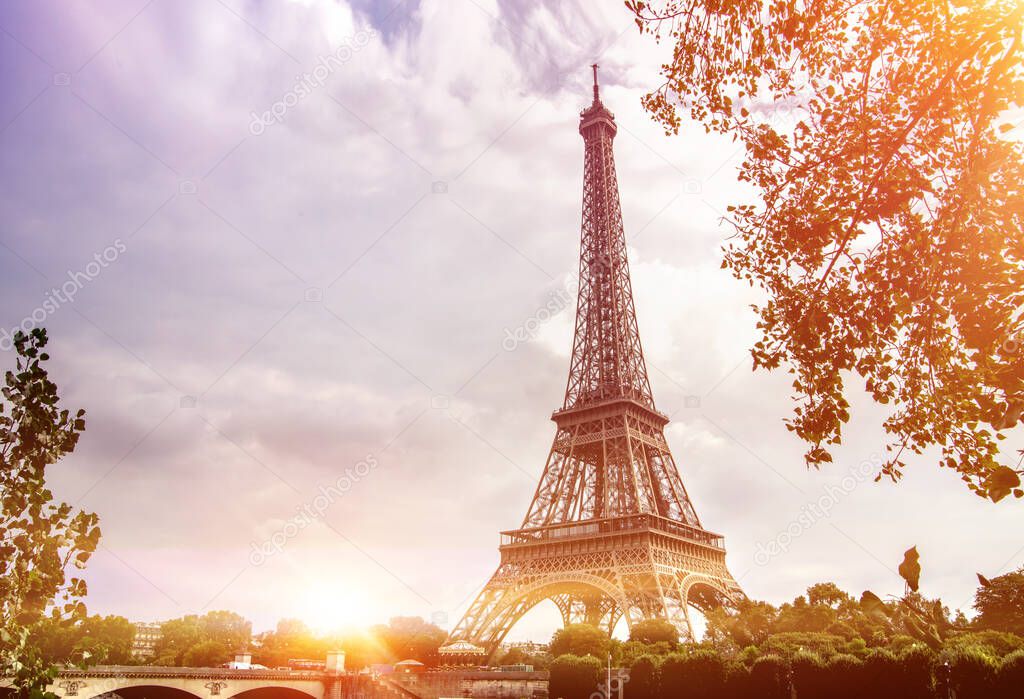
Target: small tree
[
  {"x": 41, "y": 541},
  {"x": 654, "y": 631},
  {"x": 580, "y": 639}
]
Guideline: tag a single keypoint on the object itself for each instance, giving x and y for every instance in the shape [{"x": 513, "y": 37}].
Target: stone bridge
[
  {"x": 130, "y": 682},
  {"x": 210, "y": 683}
]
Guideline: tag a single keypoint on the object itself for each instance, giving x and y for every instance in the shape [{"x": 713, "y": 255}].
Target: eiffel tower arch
[{"x": 611, "y": 532}]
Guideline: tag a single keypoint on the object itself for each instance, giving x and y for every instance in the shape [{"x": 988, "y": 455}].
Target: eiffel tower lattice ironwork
[{"x": 611, "y": 531}]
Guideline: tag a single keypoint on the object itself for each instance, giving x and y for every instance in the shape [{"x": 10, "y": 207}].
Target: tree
[
  {"x": 580, "y": 639},
  {"x": 228, "y": 631},
  {"x": 410, "y": 637},
  {"x": 95, "y": 640},
  {"x": 206, "y": 654},
  {"x": 828, "y": 594},
  {"x": 106, "y": 640},
  {"x": 654, "y": 631},
  {"x": 1000, "y": 602},
  {"x": 41, "y": 541},
  {"x": 749, "y": 624},
  {"x": 291, "y": 639},
  {"x": 515, "y": 656},
  {"x": 889, "y": 236}
]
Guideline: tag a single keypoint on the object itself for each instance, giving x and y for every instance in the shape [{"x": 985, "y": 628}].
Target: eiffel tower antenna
[{"x": 611, "y": 531}]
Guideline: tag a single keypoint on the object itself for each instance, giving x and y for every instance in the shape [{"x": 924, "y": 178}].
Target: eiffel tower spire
[
  {"x": 611, "y": 531},
  {"x": 607, "y": 360},
  {"x": 594, "y": 471}
]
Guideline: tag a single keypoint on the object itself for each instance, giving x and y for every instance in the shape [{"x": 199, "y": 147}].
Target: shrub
[
  {"x": 881, "y": 669},
  {"x": 972, "y": 672},
  {"x": 900, "y": 644},
  {"x": 699, "y": 674},
  {"x": 573, "y": 677},
  {"x": 857, "y": 646},
  {"x": 748, "y": 655},
  {"x": 672, "y": 676},
  {"x": 842, "y": 629},
  {"x": 914, "y": 680},
  {"x": 737, "y": 683},
  {"x": 643, "y": 678},
  {"x": 845, "y": 675},
  {"x": 1010, "y": 678},
  {"x": 706, "y": 673},
  {"x": 810, "y": 677},
  {"x": 769, "y": 678},
  {"x": 789, "y": 644},
  {"x": 994, "y": 643}
]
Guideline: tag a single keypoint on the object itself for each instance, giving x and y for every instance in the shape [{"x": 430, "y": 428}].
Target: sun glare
[{"x": 330, "y": 608}]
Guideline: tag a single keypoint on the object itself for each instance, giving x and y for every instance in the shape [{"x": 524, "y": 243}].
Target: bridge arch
[
  {"x": 273, "y": 691},
  {"x": 126, "y": 688}
]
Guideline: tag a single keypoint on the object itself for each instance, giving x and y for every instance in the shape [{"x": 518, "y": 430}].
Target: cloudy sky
[{"x": 290, "y": 241}]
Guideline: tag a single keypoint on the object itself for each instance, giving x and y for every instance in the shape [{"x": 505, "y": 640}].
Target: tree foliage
[
  {"x": 94, "y": 640},
  {"x": 889, "y": 231},
  {"x": 410, "y": 638},
  {"x": 211, "y": 639},
  {"x": 42, "y": 542},
  {"x": 1000, "y": 602},
  {"x": 654, "y": 631},
  {"x": 580, "y": 639}
]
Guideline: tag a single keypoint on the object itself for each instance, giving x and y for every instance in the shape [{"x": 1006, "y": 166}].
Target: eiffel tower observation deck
[{"x": 611, "y": 531}]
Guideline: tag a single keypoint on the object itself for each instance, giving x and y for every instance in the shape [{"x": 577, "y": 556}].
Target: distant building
[
  {"x": 144, "y": 643},
  {"x": 527, "y": 646}
]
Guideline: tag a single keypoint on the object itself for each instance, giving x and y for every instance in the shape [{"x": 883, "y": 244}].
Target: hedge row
[{"x": 703, "y": 674}]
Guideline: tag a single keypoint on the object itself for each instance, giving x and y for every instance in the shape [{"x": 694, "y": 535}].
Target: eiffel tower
[{"x": 611, "y": 531}]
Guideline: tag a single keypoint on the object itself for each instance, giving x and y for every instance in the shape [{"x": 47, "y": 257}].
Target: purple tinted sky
[{"x": 282, "y": 305}]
